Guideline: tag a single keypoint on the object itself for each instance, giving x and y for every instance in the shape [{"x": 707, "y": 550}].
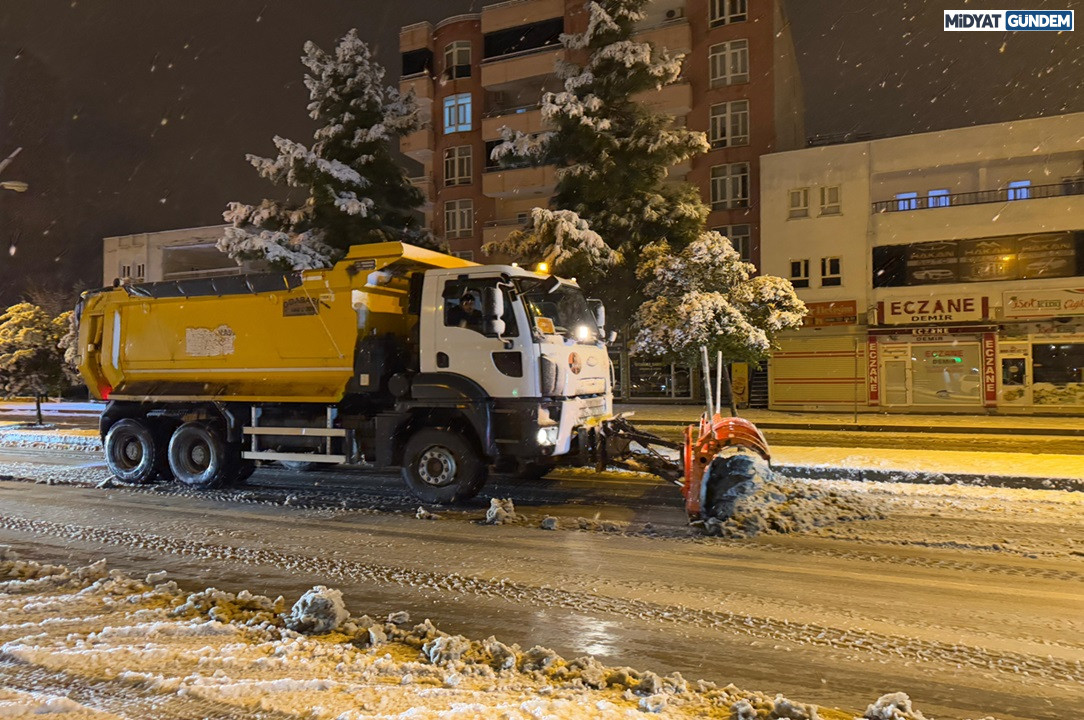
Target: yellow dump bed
[{"x": 270, "y": 337}]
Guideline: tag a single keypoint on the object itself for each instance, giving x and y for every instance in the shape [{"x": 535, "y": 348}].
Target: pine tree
[
  {"x": 612, "y": 155},
  {"x": 31, "y": 361},
  {"x": 356, "y": 192}
]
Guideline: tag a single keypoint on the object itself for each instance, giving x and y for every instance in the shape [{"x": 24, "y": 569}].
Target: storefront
[
  {"x": 1042, "y": 350},
  {"x": 821, "y": 366}
]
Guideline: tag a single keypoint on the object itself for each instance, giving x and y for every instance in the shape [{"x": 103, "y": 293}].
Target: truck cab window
[{"x": 463, "y": 306}]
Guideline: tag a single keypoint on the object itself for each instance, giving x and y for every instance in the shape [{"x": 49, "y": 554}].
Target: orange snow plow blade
[{"x": 704, "y": 442}]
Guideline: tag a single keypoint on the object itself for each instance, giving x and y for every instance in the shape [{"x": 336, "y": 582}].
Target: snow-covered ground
[{"x": 94, "y": 643}]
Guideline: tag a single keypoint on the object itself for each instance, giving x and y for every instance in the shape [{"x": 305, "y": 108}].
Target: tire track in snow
[{"x": 861, "y": 641}]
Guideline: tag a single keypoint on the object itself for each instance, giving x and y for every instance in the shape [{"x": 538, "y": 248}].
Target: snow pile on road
[
  {"x": 91, "y": 474},
  {"x": 501, "y": 512},
  {"x": 50, "y": 439},
  {"x": 147, "y": 646},
  {"x": 754, "y": 500},
  {"x": 894, "y": 706}
]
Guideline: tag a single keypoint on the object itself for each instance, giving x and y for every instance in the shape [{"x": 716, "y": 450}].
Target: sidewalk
[{"x": 646, "y": 414}]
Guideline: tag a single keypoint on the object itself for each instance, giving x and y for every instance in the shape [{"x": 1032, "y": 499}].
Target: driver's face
[{"x": 468, "y": 304}]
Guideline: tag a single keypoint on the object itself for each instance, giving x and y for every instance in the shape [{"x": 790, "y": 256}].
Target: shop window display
[
  {"x": 1058, "y": 373},
  {"x": 946, "y": 374}
]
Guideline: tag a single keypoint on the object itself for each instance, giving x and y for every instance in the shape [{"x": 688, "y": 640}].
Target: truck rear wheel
[
  {"x": 441, "y": 467},
  {"x": 199, "y": 457},
  {"x": 131, "y": 451}
]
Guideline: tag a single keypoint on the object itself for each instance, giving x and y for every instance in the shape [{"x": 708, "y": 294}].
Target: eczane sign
[{"x": 933, "y": 309}]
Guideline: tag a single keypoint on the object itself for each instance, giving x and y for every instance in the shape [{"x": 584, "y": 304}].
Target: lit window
[
  {"x": 457, "y": 111},
  {"x": 938, "y": 198},
  {"x": 798, "y": 203},
  {"x": 459, "y": 218},
  {"x": 729, "y": 63},
  {"x": 730, "y": 186},
  {"x": 906, "y": 201},
  {"x": 1020, "y": 190},
  {"x": 830, "y": 274},
  {"x": 799, "y": 273},
  {"x": 830, "y": 204},
  {"x": 458, "y": 165},
  {"x": 729, "y": 124},
  {"x": 724, "y": 12},
  {"x": 739, "y": 237},
  {"x": 457, "y": 59}
]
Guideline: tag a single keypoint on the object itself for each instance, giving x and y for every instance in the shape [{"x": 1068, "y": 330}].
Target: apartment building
[
  {"x": 180, "y": 254},
  {"x": 474, "y": 74},
  {"x": 944, "y": 271}
]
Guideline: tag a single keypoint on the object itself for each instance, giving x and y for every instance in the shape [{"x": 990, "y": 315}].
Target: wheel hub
[
  {"x": 199, "y": 456},
  {"x": 132, "y": 452},
  {"x": 437, "y": 466}
]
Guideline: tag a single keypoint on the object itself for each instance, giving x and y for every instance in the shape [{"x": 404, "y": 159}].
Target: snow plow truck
[{"x": 379, "y": 361}]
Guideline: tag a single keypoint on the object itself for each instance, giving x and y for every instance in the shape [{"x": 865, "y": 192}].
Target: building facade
[
  {"x": 168, "y": 255},
  {"x": 944, "y": 271},
  {"x": 475, "y": 74}
]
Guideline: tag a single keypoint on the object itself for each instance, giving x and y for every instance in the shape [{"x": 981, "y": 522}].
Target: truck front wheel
[
  {"x": 198, "y": 456},
  {"x": 441, "y": 467},
  {"x": 131, "y": 451}
]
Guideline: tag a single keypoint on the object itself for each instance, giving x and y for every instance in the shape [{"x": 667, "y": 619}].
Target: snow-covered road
[{"x": 966, "y": 598}]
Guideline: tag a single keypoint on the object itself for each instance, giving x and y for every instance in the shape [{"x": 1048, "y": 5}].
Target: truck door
[{"x": 458, "y": 344}]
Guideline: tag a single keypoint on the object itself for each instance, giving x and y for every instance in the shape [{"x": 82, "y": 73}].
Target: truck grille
[{"x": 592, "y": 407}]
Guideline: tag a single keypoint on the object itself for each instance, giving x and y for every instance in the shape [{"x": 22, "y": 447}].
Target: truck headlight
[{"x": 547, "y": 435}]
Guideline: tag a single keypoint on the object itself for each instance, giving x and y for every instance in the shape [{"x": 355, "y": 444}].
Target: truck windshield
[{"x": 562, "y": 312}]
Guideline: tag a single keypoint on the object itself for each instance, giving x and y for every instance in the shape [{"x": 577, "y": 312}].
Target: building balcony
[
  {"x": 418, "y": 145},
  {"x": 416, "y": 36},
  {"x": 499, "y": 230},
  {"x": 516, "y": 13},
  {"x": 672, "y": 35},
  {"x": 505, "y": 69},
  {"x": 1046, "y": 208},
  {"x": 524, "y": 119},
  {"x": 676, "y": 99},
  {"x": 425, "y": 184},
  {"x": 422, "y": 85},
  {"x": 520, "y": 182}
]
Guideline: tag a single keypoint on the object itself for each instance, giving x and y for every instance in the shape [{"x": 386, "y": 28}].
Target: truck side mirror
[
  {"x": 492, "y": 311},
  {"x": 599, "y": 311}
]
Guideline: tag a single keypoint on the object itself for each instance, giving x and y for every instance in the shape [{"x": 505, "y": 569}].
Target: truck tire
[
  {"x": 131, "y": 452},
  {"x": 441, "y": 467},
  {"x": 198, "y": 456}
]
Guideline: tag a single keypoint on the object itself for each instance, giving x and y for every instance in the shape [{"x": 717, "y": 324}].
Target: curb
[{"x": 918, "y": 477}]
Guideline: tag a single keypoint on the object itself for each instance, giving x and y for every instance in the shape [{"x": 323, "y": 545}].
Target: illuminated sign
[
  {"x": 933, "y": 309},
  {"x": 1042, "y": 303}
]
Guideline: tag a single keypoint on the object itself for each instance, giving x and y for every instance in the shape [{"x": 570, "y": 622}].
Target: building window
[
  {"x": 464, "y": 254},
  {"x": 724, "y": 12},
  {"x": 457, "y": 113},
  {"x": 798, "y": 203},
  {"x": 141, "y": 271},
  {"x": 457, "y": 59},
  {"x": 730, "y": 186},
  {"x": 125, "y": 272},
  {"x": 729, "y": 124},
  {"x": 458, "y": 166},
  {"x": 799, "y": 273},
  {"x": 1019, "y": 189},
  {"x": 729, "y": 63},
  {"x": 938, "y": 198},
  {"x": 906, "y": 201},
  {"x": 740, "y": 238},
  {"x": 830, "y": 204},
  {"x": 830, "y": 275},
  {"x": 459, "y": 218}
]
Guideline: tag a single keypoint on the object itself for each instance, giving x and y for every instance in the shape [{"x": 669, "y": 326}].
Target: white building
[
  {"x": 167, "y": 255},
  {"x": 944, "y": 271}
]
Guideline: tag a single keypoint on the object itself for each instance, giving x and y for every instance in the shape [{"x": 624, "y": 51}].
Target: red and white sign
[
  {"x": 1042, "y": 303},
  {"x": 989, "y": 369},
  {"x": 933, "y": 309},
  {"x": 873, "y": 372}
]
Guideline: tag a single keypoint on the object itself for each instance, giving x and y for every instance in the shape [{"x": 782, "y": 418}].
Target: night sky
[{"x": 136, "y": 115}]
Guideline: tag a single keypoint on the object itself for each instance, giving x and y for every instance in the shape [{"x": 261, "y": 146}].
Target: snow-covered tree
[
  {"x": 31, "y": 361},
  {"x": 356, "y": 192},
  {"x": 705, "y": 296},
  {"x": 612, "y": 153}
]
